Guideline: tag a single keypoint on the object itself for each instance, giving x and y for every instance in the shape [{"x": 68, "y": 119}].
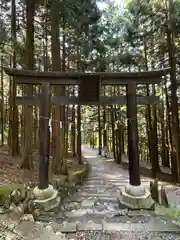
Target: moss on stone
[
  {"x": 76, "y": 177},
  {"x": 5, "y": 191}
]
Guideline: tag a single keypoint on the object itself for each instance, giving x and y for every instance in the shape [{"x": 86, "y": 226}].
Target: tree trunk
[
  {"x": 59, "y": 165},
  {"x": 174, "y": 101},
  {"x": 2, "y": 103},
  {"x": 28, "y": 110},
  {"x": 154, "y": 139},
  {"x": 99, "y": 131}
]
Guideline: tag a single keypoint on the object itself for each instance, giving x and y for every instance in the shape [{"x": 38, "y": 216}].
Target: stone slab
[
  {"x": 94, "y": 183},
  {"x": 99, "y": 195},
  {"x": 78, "y": 213},
  {"x": 139, "y": 213},
  {"x": 108, "y": 199},
  {"x": 71, "y": 205},
  {"x": 89, "y": 190},
  {"x": 149, "y": 227},
  {"x": 77, "y": 199},
  {"x": 87, "y": 185},
  {"x": 88, "y": 203},
  {"x": 102, "y": 213},
  {"x": 67, "y": 227},
  {"x": 94, "y": 178},
  {"x": 116, "y": 227},
  {"x": 90, "y": 227}
]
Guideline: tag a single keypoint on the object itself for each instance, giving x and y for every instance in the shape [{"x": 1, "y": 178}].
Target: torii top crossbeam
[{"x": 73, "y": 78}]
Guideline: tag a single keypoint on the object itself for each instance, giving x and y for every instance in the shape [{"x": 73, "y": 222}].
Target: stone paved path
[{"x": 94, "y": 211}]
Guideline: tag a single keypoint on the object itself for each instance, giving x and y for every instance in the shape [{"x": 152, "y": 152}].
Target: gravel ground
[{"x": 93, "y": 235}]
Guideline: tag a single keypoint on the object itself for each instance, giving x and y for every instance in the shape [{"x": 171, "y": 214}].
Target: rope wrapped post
[
  {"x": 46, "y": 197},
  {"x": 44, "y": 136},
  {"x": 134, "y": 171}
]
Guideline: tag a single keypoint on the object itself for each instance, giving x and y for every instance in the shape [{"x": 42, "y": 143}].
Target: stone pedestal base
[
  {"x": 136, "y": 197},
  {"x": 46, "y": 199}
]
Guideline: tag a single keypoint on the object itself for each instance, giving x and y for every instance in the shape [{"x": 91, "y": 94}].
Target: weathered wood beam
[
  {"x": 107, "y": 78},
  {"x": 124, "y": 81},
  {"x": 64, "y": 100},
  {"x": 76, "y": 75},
  {"x": 28, "y": 100},
  {"x": 40, "y": 80},
  {"x": 55, "y": 81}
]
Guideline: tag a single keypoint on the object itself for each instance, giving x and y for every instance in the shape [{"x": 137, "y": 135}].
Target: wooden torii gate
[{"x": 89, "y": 94}]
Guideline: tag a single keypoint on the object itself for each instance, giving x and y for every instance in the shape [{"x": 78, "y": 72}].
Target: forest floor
[{"x": 12, "y": 173}]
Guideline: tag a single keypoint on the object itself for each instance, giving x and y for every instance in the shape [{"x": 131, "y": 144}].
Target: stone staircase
[{"x": 94, "y": 212}]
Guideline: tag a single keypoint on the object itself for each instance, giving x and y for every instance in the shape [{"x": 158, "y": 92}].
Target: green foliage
[{"x": 170, "y": 214}]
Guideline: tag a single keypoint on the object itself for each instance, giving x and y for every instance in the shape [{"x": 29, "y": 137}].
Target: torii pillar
[
  {"x": 46, "y": 197},
  {"x": 134, "y": 195}
]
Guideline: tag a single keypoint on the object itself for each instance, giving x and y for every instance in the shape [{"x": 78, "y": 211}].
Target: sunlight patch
[
  {"x": 109, "y": 160},
  {"x": 87, "y": 156}
]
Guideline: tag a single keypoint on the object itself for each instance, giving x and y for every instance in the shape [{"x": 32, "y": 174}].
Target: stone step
[
  {"x": 153, "y": 226},
  {"x": 109, "y": 213},
  {"x": 109, "y": 196},
  {"x": 95, "y": 177},
  {"x": 108, "y": 199},
  {"x": 90, "y": 186},
  {"x": 99, "y": 190},
  {"x": 94, "y": 182},
  {"x": 95, "y": 186}
]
